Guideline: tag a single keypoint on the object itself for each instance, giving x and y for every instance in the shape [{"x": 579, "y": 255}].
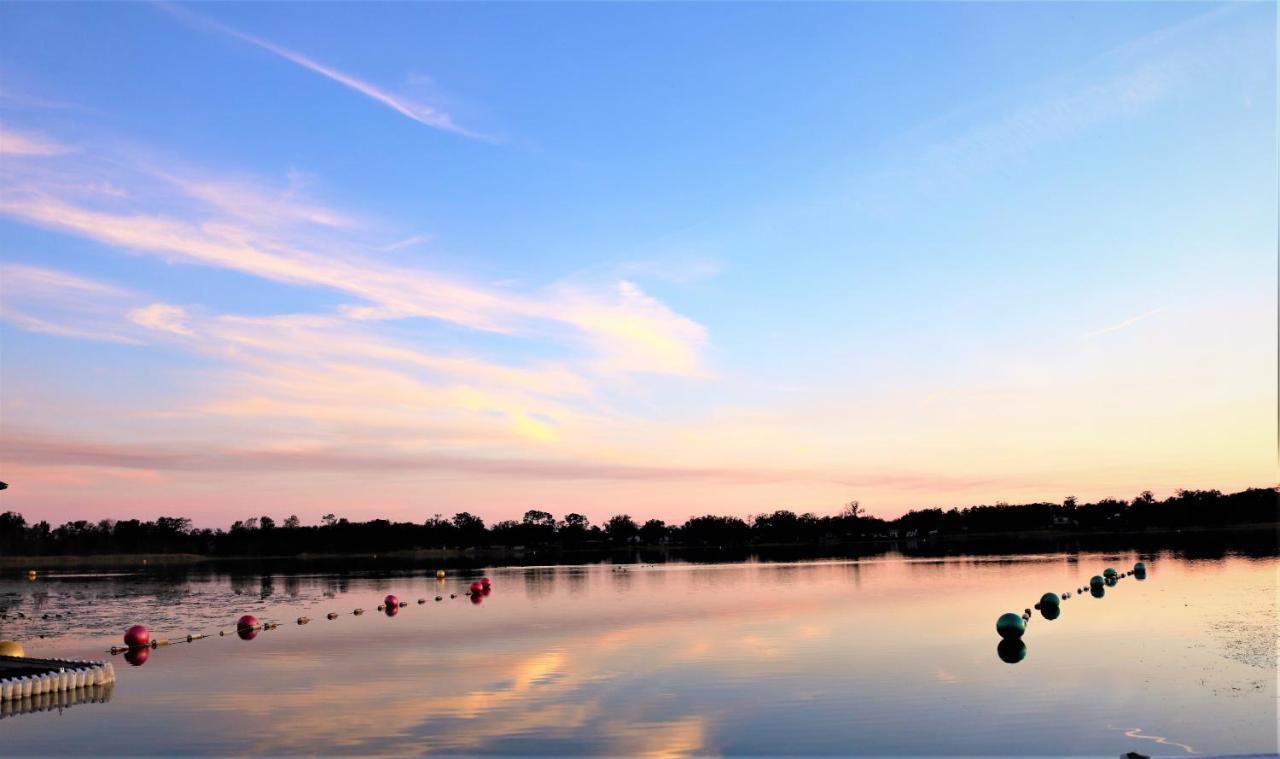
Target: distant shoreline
[{"x": 1013, "y": 541}]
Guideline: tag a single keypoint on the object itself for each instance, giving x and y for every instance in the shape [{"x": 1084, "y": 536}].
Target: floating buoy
[
  {"x": 11, "y": 648},
  {"x": 439, "y": 598},
  {"x": 391, "y": 600},
  {"x": 332, "y": 615},
  {"x": 247, "y": 627},
  {"x": 1049, "y": 599},
  {"x": 453, "y": 595},
  {"x": 1109, "y": 572},
  {"x": 1010, "y": 625},
  {"x": 1095, "y": 581},
  {"x": 303, "y": 620},
  {"x": 439, "y": 574},
  {"x": 358, "y": 612},
  {"x": 477, "y": 587},
  {"x": 137, "y": 636},
  {"x": 137, "y": 656},
  {"x": 421, "y": 601},
  {"x": 32, "y": 574},
  {"x": 393, "y": 610},
  {"x": 485, "y": 581}
]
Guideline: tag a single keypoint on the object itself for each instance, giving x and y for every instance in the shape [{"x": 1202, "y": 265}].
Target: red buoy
[
  {"x": 137, "y": 656},
  {"x": 391, "y": 600},
  {"x": 137, "y": 637},
  {"x": 247, "y": 622},
  {"x": 485, "y": 581},
  {"x": 477, "y": 587},
  {"x": 476, "y": 598}
]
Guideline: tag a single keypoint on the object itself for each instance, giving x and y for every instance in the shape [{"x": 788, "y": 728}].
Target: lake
[{"x": 882, "y": 655}]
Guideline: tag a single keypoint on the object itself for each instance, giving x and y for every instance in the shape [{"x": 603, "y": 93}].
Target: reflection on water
[
  {"x": 137, "y": 656},
  {"x": 1011, "y": 650},
  {"x": 825, "y": 657},
  {"x": 56, "y": 701},
  {"x": 1136, "y": 732}
]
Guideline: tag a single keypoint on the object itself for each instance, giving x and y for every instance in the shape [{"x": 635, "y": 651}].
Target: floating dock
[{"x": 26, "y": 677}]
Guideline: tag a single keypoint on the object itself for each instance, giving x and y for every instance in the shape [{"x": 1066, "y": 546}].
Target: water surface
[{"x": 890, "y": 655}]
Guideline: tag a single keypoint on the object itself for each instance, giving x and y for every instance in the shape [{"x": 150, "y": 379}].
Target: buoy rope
[
  {"x": 1109, "y": 578},
  {"x": 238, "y": 629}
]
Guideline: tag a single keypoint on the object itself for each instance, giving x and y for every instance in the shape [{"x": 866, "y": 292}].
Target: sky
[{"x": 394, "y": 260}]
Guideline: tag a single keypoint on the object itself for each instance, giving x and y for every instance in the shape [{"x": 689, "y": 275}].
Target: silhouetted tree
[
  {"x": 538, "y": 530},
  {"x": 573, "y": 529},
  {"x": 470, "y": 528},
  {"x": 654, "y": 532},
  {"x": 621, "y": 529}
]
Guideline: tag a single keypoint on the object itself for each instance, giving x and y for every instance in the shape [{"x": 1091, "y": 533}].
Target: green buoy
[
  {"x": 1109, "y": 572},
  {"x": 1050, "y": 599},
  {"x": 1095, "y": 581},
  {"x": 1139, "y": 567},
  {"x": 1010, "y": 625}
]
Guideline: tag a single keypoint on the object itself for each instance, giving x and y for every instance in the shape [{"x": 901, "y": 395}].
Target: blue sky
[{"x": 665, "y": 258}]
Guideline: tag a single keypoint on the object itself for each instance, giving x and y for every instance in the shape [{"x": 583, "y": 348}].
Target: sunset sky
[{"x": 399, "y": 259}]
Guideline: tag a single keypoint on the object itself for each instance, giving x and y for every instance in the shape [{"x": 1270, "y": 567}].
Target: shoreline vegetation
[
  {"x": 1262, "y": 534},
  {"x": 1252, "y": 514}
]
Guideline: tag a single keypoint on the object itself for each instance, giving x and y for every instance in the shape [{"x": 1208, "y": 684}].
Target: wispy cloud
[
  {"x": 164, "y": 317},
  {"x": 1125, "y": 83},
  {"x": 57, "y": 303},
  {"x": 15, "y": 142},
  {"x": 681, "y": 271},
  {"x": 1122, "y": 325},
  {"x": 421, "y": 113},
  {"x": 18, "y": 279},
  {"x": 221, "y": 223},
  {"x": 26, "y": 446}
]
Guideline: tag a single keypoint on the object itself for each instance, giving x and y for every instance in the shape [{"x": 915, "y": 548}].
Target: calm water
[{"x": 879, "y": 656}]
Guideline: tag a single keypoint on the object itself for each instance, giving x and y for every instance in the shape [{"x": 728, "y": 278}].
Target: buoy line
[
  {"x": 138, "y": 642},
  {"x": 1011, "y": 626}
]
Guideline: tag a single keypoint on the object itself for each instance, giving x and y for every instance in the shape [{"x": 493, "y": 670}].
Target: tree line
[{"x": 264, "y": 536}]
